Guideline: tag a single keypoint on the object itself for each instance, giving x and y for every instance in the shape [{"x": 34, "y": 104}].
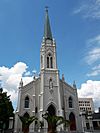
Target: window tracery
[
  {"x": 70, "y": 102},
  {"x": 26, "y": 104},
  {"x": 49, "y": 61}
]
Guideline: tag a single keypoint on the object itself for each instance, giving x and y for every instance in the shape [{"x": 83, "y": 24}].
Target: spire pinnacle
[
  {"x": 74, "y": 84},
  {"x": 21, "y": 83},
  {"x": 47, "y": 28},
  {"x": 46, "y": 8}
]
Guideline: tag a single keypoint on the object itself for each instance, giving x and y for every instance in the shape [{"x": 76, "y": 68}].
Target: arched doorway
[
  {"x": 25, "y": 116},
  {"x": 51, "y": 110},
  {"x": 72, "y": 122}
]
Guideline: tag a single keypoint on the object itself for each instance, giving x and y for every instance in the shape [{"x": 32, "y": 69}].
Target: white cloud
[
  {"x": 95, "y": 40},
  {"x": 27, "y": 73},
  {"x": 93, "y": 55},
  {"x": 93, "y": 50},
  {"x": 95, "y": 71},
  {"x": 89, "y": 9},
  {"x": 96, "y": 67},
  {"x": 80, "y": 9},
  {"x": 11, "y": 77},
  {"x": 26, "y": 80},
  {"x": 91, "y": 89},
  {"x": 34, "y": 71}
]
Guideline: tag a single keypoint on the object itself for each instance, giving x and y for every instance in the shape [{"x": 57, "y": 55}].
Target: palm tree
[
  {"x": 41, "y": 124},
  {"x": 26, "y": 121},
  {"x": 54, "y": 121}
]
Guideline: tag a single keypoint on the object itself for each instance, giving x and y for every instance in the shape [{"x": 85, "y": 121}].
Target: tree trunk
[
  {"x": 51, "y": 128},
  {"x": 26, "y": 130}
]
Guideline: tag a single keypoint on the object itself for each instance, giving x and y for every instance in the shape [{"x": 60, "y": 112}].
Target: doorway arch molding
[{"x": 54, "y": 105}]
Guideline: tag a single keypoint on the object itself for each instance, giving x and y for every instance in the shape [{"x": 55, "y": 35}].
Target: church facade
[{"x": 48, "y": 92}]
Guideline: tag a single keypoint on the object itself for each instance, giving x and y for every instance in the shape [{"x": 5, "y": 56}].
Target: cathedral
[{"x": 48, "y": 92}]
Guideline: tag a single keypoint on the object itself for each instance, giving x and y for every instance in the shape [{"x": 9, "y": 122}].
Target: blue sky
[{"x": 75, "y": 26}]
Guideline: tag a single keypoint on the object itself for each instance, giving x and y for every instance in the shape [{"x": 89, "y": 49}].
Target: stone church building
[{"x": 48, "y": 92}]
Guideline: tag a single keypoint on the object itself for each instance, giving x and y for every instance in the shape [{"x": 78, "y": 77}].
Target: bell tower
[
  {"x": 49, "y": 95},
  {"x": 48, "y": 47}
]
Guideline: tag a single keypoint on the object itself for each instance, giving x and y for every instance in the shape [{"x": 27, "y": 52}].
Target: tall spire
[{"x": 47, "y": 29}]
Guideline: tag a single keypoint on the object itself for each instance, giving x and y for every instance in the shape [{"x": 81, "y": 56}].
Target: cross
[{"x": 46, "y": 8}]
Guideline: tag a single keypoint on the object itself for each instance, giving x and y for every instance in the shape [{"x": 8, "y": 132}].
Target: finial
[
  {"x": 63, "y": 79},
  {"x": 21, "y": 83},
  {"x": 46, "y": 8},
  {"x": 74, "y": 84},
  {"x": 34, "y": 74}
]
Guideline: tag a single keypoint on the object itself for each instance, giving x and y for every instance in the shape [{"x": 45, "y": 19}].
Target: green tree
[
  {"x": 26, "y": 121},
  {"x": 41, "y": 124},
  {"x": 54, "y": 121},
  {"x": 6, "y": 109}
]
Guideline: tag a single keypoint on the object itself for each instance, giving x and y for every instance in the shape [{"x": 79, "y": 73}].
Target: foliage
[
  {"x": 41, "y": 124},
  {"x": 6, "y": 109},
  {"x": 54, "y": 121},
  {"x": 26, "y": 121}
]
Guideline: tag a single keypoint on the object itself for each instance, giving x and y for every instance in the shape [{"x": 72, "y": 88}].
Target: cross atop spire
[
  {"x": 47, "y": 28},
  {"x": 46, "y": 8}
]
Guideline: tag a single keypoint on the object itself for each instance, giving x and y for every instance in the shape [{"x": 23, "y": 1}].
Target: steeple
[
  {"x": 48, "y": 47},
  {"x": 47, "y": 28}
]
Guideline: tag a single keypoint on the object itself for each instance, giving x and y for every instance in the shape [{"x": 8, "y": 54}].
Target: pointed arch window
[
  {"x": 26, "y": 104},
  {"x": 26, "y": 115},
  {"x": 49, "y": 61},
  {"x": 70, "y": 102}
]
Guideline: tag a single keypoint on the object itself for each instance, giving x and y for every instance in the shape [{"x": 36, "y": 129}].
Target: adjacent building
[
  {"x": 96, "y": 120},
  {"x": 86, "y": 105},
  {"x": 90, "y": 119}
]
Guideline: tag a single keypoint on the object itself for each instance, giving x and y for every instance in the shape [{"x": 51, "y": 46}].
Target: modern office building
[{"x": 86, "y": 104}]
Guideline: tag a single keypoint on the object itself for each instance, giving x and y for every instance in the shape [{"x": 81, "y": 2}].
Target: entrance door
[
  {"x": 26, "y": 116},
  {"x": 51, "y": 110},
  {"x": 72, "y": 122}
]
